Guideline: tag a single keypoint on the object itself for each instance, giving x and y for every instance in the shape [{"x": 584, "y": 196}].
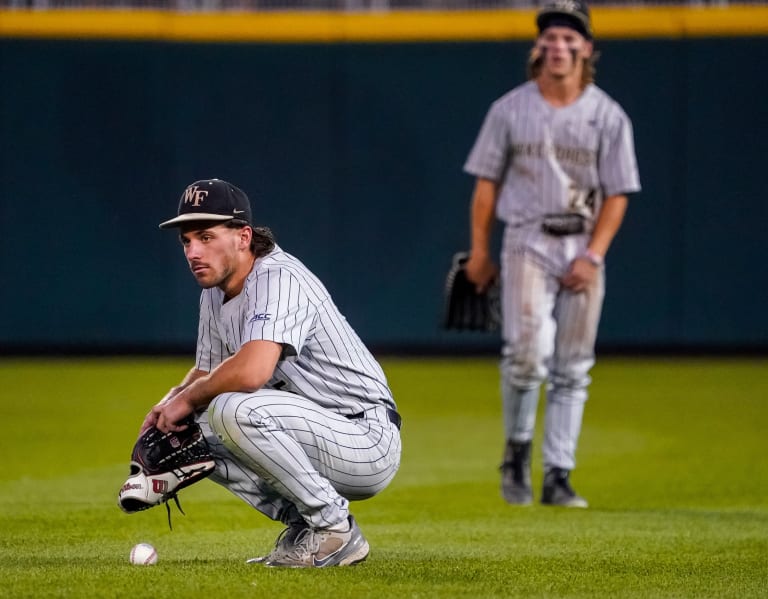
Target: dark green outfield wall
[{"x": 353, "y": 155}]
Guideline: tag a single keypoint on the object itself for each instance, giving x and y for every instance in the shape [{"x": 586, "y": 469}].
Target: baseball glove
[
  {"x": 164, "y": 463},
  {"x": 465, "y": 308}
]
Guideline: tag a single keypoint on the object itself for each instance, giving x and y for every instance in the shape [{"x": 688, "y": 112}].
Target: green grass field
[{"x": 672, "y": 460}]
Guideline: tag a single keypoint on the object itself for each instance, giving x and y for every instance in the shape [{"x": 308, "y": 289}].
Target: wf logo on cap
[
  {"x": 194, "y": 195},
  {"x": 211, "y": 200}
]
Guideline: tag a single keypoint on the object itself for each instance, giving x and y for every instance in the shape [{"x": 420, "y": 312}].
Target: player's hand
[
  {"x": 150, "y": 419},
  {"x": 481, "y": 271},
  {"x": 580, "y": 275},
  {"x": 169, "y": 413}
]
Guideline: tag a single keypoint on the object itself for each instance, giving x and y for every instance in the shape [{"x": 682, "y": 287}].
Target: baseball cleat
[
  {"x": 557, "y": 490},
  {"x": 516, "y": 474},
  {"x": 322, "y": 548},
  {"x": 286, "y": 542}
]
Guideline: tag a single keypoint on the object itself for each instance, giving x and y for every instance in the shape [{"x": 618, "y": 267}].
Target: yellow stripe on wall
[{"x": 396, "y": 26}]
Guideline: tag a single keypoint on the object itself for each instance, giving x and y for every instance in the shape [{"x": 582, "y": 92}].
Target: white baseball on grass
[{"x": 143, "y": 554}]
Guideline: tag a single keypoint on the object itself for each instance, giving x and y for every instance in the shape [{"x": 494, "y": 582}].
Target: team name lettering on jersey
[
  {"x": 539, "y": 154},
  {"x": 578, "y": 156}
]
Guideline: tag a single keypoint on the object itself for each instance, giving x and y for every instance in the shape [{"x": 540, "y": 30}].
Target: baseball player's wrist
[
  {"x": 593, "y": 257},
  {"x": 479, "y": 252}
]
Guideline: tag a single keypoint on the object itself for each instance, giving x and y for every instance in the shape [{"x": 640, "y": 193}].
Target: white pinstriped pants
[
  {"x": 294, "y": 460},
  {"x": 549, "y": 334}
]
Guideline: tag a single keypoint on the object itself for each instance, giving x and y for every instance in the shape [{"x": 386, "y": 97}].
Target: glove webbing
[{"x": 193, "y": 449}]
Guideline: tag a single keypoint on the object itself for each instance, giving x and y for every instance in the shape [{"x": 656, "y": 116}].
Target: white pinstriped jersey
[
  {"x": 550, "y": 160},
  {"x": 323, "y": 358}
]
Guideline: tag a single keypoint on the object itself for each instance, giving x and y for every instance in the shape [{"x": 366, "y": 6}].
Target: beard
[{"x": 208, "y": 277}]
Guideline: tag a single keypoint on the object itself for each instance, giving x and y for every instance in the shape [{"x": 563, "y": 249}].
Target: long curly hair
[{"x": 262, "y": 240}]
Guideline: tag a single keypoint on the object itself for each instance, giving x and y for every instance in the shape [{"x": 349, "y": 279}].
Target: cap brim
[{"x": 194, "y": 216}]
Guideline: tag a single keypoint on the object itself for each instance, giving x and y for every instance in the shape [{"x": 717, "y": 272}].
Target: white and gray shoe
[
  {"x": 321, "y": 548},
  {"x": 286, "y": 542}
]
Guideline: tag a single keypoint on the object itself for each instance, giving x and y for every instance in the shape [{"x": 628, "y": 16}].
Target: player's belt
[
  {"x": 560, "y": 225},
  {"x": 392, "y": 415}
]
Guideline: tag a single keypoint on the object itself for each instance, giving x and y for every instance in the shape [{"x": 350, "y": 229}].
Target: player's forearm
[
  {"x": 608, "y": 223},
  {"x": 225, "y": 378},
  {"x": 188, "y": 379},
  {"x": 151, "y": 418},
  {"x": 191, "y": 377},
  {"x": 248, "y": 370},
  {"x": 483, "y": 214}
]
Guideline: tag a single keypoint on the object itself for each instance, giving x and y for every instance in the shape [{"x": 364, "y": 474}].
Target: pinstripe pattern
[
  {"x": 324, "y": 359},
  {"x": 289, "y": 457},
  {"x": 551, "y": 160},
  {"x": 550, "y": 332},
  {"x": 289, "y": 449},
  {"x": 548, "y": 160}
]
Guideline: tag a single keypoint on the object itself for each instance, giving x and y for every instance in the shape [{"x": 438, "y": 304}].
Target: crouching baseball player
[{"x": 296, "y": 411}]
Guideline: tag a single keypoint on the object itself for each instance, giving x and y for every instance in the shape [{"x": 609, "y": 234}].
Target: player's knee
[
  {"x": 219, "y": 412},
  {"x": 238, "y": 425},
  {"x": 230, "y": 414},
  {"x": 523, "y": 371}
]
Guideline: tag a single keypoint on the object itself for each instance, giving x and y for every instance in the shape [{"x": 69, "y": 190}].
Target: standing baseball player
[
  {"x": 554, "y": 161},
  {"x": 297, "y": 411}
]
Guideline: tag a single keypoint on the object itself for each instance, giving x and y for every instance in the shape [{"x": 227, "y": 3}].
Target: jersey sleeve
[
  {"x": 211, "y": 350},
  {"x": 489, "y": 155},
  {"x": 278, "y": 309},
  {"x": 617, "y": 161}
]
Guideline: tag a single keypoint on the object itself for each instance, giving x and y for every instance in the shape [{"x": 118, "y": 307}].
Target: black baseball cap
[
  {"x": 211, "y": 200},
  {"x": 565, "y": 13}
]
